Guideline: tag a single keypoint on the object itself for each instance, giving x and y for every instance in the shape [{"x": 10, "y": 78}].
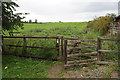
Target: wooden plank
[
  {"x": 65, "y": 49},
  {"x": 88, "y": 49},
  {"x": 81, "y": 47},
  {"x": 74, "y": 65},
  {"x": 104, "y": 62},
  {"x": 76, "y": 54},
  {"x": 24, "y": 45},
  {"x": 93, "y": 40},
  {"x": 62, "y": 44},
  {"x": 32, "y": 56},
  {"x": 98, "y": 48},
  {"x": 73, "y": 48},
  {"x": 79, "y": 41},
  {"x": 70, "y": 38},
  {"x": 110, "y": 39},
  {"x": 58, "y": 46},
  {"x": 70, "y": 62},
  {"x": 76, "y": 58},
  {"x": 109, "y": 51},
  {"x": 28, "y": 46},
  {"x": 28, "y": 37},
  {"x": 89, "y": 44}
]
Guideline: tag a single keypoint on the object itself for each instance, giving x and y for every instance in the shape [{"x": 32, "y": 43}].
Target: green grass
[
  {"x": 52, "y": 29},
  {"x": 24, "y": 68},
  {"x": 65, "y": 29},
  {"x": 29, "y": 68}
]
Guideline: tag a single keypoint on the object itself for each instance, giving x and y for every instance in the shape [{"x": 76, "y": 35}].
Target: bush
[{"x": 102, "y": 24}]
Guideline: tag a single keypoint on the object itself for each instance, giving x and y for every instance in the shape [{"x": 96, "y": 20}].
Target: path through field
[{"x": 58, "y": 71}]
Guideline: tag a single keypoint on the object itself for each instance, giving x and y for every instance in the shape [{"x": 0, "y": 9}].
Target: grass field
[
  {"x": 15, "y": 67},
  {"x": 53, "y": 29}
]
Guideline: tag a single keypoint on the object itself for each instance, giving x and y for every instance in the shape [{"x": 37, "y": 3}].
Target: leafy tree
[
  {"x": 35, "y": 20},
  {"x": 30, "y": 21},
  {"x": 10, "y": 20}
]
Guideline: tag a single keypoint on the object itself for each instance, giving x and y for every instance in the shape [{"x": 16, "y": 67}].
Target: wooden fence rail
[
  {"x": 57, "y": 47},
  {"x": 98, "y": 45},
  {"x": 62, "y": 43}
]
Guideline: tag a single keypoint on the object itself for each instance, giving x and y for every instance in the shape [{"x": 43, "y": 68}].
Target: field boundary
[{"x": 62, "y": 46}]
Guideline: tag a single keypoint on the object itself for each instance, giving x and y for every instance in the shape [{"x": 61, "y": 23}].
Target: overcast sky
[{"x": 66, "y": 10}]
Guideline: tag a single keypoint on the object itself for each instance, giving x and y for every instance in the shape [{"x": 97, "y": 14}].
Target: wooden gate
[{"x": 80, "y": 52}]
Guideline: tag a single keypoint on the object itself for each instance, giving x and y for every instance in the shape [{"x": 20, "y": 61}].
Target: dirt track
[{"x": 58, "y": 71}]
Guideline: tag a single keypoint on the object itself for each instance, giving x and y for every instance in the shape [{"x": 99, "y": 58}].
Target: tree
[
  {"x": 30, "y": 21},
  {"x": 35, "y": 20},
  {"x": 10, "y": 20}
]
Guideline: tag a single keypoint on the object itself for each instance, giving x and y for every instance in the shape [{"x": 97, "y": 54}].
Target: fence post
[
  {"x": 79, "y": 45},
  {"x": 65, "y": 51},
  {"x": 72, "y": 41},
  {"x": 24, "y": 44},
  {"x": 62, "y": 44},
  {"x": 58, "y": 45},
  {"x": 98, "y": 48}
]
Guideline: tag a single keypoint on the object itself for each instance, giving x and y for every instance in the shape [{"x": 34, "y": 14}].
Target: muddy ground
[{"x": 58, "y": 71}]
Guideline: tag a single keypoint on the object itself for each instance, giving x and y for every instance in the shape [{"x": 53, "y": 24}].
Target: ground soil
[{"x": 58, "y": 71}]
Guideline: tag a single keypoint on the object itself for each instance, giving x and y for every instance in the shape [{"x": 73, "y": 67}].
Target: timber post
[
  {"x": 98, "y": 48},
  {"x": 62, "y": 44},
  {"x": 24, "y": 45},
  {"x": 65, "y": 51}
]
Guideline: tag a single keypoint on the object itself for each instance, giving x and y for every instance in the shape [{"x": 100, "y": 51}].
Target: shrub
[{"x": 102, "y": 24}]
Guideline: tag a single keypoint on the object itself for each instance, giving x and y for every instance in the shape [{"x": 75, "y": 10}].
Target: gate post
[
  {"x": 58, "y": 45},
  {"x": 65, "y": 51},
  {"x": 24, "y": 45},
  {"x": 79, "y": 45},
  {"x": 98, "y": 48},
  {"x": 62, "y": 44}
]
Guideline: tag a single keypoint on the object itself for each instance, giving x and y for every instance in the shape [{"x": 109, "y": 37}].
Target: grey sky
[{"x": 66, "y": 10}]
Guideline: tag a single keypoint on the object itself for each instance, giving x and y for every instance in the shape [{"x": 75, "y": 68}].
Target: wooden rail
[
  {"x": 63, "y": 42},
  {"x": 28, "y": 46},
  {"x": 28, "y": 37},
  {"x": 57, "y": 47},
  {"x": 77, "y": 53},
  {"x": 109, "y": 51}
]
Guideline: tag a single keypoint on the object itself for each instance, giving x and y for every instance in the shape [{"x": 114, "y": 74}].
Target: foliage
[
  {"x": 102, "y": 24},
  {"x": 35, "y": 20},
  {"x": 10, "y": 20},
  {"x": 30, "y": 21}
]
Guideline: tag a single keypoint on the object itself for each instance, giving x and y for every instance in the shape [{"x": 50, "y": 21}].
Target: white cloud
[{"x": 66, "y": 10}]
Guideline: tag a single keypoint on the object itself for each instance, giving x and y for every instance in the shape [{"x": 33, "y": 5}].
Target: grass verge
[{"x": 15, "y": 67}]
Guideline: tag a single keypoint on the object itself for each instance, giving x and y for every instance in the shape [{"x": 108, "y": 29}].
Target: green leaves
[
  {"x": 10, "y": 21},
  {"x": 102, "y": 24}
]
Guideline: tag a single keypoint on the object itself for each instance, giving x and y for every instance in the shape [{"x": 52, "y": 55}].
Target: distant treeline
[{"x": 30, "y": 21}]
